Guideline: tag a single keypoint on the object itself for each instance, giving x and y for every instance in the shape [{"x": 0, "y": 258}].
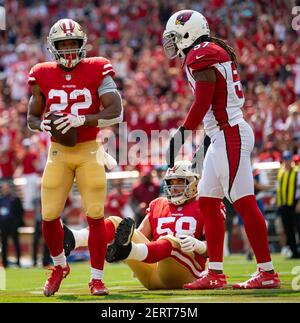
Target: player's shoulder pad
[
  {"x": 205, "y": 55},
  {"x": 102, "y": 64},
  {"x": 37, "y": 70}
]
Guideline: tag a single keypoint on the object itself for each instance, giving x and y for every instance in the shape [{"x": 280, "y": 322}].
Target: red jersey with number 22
[{"x": 74, "y": 91}]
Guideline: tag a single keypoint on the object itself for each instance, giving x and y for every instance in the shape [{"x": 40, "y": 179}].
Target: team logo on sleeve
[{"x": 183, "y": 17}]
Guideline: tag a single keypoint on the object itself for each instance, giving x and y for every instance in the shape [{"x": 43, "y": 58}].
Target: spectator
[
  {"x": 29, "y": 172},
  {"x": 46, "y": 259},
  {"x": 288, "y": 200},
  {"x": 11, "y": 214},
  {"x": 143, "y": 193},
  {"x": 116, "y": 200}
]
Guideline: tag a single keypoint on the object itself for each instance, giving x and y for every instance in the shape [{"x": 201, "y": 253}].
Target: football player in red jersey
[
  {"x": 83, "y": 89},
  {"x": 211, "y": 68},
  {"x": 167, "y": 250}
]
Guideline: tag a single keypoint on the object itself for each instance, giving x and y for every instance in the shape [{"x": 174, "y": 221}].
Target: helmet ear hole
[{"x": 186, "y": 35}]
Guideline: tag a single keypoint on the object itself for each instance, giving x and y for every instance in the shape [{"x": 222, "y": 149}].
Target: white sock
[
  {"x": 139, "y": 252},
  {"x": 215, "y": 265},
  {"x": 266, "y": 266},
  {"x": 60, "y": 260},
  {"x": 96, "y": 274},
  {"x": 81, "y": 237}
]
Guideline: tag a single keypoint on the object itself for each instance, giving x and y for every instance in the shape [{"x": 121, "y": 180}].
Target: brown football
[{"x": 68, "y": 139}]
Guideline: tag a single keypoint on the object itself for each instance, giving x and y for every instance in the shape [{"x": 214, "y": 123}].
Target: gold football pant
[
  {"x": 165, "y": 274},
  {"x": 65, "y": 164}
]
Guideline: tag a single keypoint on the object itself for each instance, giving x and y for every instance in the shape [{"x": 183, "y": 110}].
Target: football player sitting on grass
[{"x": 168, "y": 249}]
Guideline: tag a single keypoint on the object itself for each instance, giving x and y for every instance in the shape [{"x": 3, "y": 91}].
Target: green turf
[{"x": 25, "y": 285}]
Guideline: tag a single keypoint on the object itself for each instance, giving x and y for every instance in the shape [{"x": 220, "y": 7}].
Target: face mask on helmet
[
  {"x": 178, "y": 194},
  {"x": 69, "y": 57},
  {"x": 169, "y": 43}
]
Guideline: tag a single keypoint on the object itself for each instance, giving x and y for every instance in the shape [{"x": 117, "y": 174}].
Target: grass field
[{"x": 25, "y": 285}]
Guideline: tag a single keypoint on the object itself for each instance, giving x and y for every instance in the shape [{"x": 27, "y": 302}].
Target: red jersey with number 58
[
  {"x": 74, "y": 91},
  {"x": 228, "y": 96},
  {"x": 168, "y": 219}
]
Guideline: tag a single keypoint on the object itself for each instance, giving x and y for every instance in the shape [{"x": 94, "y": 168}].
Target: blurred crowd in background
[{"x": 154, "y": 89}]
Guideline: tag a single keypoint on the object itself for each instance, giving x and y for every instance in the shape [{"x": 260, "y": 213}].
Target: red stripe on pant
[{"x": 233, "y": 148}]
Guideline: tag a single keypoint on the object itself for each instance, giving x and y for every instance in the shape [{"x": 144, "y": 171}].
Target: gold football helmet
[
  {"x": 65, "y": 29},
  {"x": 179, "y": 194}
]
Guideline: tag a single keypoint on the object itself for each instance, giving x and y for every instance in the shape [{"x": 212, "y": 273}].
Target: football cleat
[
  {"x": 53, "y": 282},
  {"x": 69, "y": 241},
  {"x": 121, "y": 247},
  {"x": 98, "y": 288},
  {"x": 209, "y": 280},
  {"x": 260, "y": 280}
]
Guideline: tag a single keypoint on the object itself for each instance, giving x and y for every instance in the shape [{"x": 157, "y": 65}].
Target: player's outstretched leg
[{"x": 121, "y": 247}]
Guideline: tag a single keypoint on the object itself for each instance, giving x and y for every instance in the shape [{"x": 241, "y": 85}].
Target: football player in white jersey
[{"x": 211, "y": 68}]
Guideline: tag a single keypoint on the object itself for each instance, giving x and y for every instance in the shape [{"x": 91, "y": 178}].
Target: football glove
[
  {"x": 176, "y": 141},
  {"x": 45, "y": 126},
  {"x": 190, "y": 244},
  {"x": 68, "y": 122}
]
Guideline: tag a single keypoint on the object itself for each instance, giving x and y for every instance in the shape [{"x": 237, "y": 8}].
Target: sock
[
  {"x": 60, "y": 260},
  {"x": 215, "y": 265},
  {"x": 214, "y": 230},
  {"x": 139, "y": 251},
  {"x": 97, "y": 242},
  {"x": 158, "y": 250},
  {"x": 96, "y": 274},
  {"x": 81, "y": 237},
  {"x": 266, "y": 266},
  {"x": 255, "y": 227},
  {"x": 54, "y": 236},
  {"x": 110, "y": 230}
]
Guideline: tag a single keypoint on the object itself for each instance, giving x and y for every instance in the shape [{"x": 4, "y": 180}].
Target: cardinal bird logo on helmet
[{"x": 183, "y": 18}]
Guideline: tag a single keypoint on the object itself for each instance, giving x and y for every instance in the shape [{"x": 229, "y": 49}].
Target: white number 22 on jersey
[
  {"x": 63, "y": 95},
  {"x": 190, "y": 221}
]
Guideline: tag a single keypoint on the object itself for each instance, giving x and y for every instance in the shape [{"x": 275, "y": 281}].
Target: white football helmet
[
  {"x": 183, "y": 28},
  {"x": 179, "y": 194},
  {"x": 67, "y": 29}
]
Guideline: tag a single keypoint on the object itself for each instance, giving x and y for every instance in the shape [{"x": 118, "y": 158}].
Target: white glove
[
  {"x": 45, "y": 126},
  {"x": 68, "y": 122},
  {"x": 105, "y": 159},
  {"x": 109, "y": 161},
  {"x": 190, "y": 244}
]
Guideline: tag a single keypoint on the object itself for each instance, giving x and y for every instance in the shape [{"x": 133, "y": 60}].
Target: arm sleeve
[
  {"x": 204, "y": 92},
  {"x": 107, "y": 85}
]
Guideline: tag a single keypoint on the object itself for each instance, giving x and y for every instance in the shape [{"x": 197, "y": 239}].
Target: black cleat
[
  {"x": 121, "y": 247},
  {"x": 69, "y": 241}
]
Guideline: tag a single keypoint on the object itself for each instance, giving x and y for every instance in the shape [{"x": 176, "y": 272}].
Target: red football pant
[
  {"x": 158, "y": 250},
  {"x": 97, "y": 242},
  {"x": 214, "y": 227},
  {"x": 54, "y": 236},
  {"x": 255, "y": 227}
]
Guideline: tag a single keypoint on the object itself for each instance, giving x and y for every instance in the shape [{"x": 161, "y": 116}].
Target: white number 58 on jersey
[{"x": 185, "y": 221}]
